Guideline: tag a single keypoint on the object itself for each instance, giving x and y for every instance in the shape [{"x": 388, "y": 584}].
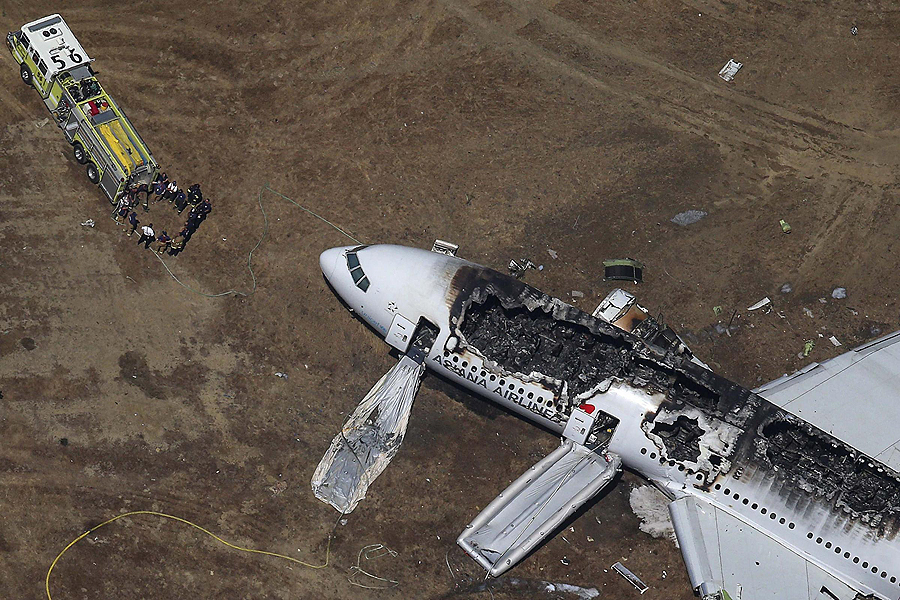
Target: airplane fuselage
[{"x": 691, "y": 432}]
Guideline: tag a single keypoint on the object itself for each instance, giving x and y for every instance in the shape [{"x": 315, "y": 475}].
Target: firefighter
[
  {"x": 180, "y": 201},
  {"x": 194, "y": 194},
  {"x": 177, "y": 245},
  {"x": 162, "y": 243},
  {"x": 133, "y": 221}
]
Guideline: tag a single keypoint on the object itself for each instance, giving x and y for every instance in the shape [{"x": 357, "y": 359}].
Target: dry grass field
[{"x": 511, "y": 127}]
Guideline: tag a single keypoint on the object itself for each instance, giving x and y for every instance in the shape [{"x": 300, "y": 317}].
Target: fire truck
[{"x": 52, "y": 61}]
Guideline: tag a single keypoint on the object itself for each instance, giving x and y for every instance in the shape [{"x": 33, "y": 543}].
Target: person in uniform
[
  {"x": 180, "y": 201},
  {"x": 176, "y": 246},
  {"x": 147, "y": 235},
  {"x": 171, "y": 189},
  {"x": 162, "y": 243},
  {"x": 133, "y": 221}
]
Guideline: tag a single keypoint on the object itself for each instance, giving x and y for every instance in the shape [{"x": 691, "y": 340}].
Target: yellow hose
[{"x": 186, "y": 522}]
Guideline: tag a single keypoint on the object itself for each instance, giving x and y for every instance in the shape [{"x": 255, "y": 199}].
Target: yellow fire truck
[{"x": 53, "y": 62}]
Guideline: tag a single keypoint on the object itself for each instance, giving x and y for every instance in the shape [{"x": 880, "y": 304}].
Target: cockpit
[{"x": 356, "y": 270}]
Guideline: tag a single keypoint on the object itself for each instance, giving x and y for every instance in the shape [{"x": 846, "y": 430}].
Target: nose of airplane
[{"x": 328, "y": 260}]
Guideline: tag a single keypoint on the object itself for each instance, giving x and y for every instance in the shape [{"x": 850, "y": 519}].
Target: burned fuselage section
[{"x": 706, "y": 426}]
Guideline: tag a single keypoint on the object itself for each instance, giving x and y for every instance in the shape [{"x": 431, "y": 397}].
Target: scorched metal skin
[{"x": 688, "y": 430}]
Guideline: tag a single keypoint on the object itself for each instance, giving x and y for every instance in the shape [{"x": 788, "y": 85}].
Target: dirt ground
[{"x": 511, "y": 127}]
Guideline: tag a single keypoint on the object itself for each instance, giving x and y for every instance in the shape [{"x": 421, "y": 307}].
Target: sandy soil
[{"x": 508, "y": 126}]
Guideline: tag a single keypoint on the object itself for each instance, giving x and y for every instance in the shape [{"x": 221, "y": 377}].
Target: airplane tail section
[
  {"x": 369, "y": 439},
  {"x": 535, "y": 504}
]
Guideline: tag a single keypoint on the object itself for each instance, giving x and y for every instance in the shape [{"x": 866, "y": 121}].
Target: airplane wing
[
  {"x": 854, "y": 397},
  {"x": 727, "y": 558}
]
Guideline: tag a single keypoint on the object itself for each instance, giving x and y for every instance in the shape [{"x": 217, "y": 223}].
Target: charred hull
[{"x": 706, "y": 422}]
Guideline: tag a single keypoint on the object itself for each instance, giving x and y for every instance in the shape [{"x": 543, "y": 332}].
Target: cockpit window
[{"x": 356, "y": 270}]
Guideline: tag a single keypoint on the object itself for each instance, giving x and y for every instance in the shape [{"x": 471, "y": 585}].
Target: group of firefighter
[{"x": 161, "y": 189}]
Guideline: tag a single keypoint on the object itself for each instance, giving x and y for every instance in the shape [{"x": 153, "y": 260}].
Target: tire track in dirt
[{"x": 804, "y": 143}]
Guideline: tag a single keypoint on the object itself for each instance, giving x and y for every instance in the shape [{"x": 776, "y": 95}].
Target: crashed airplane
[{"x": 792, "y": 495}]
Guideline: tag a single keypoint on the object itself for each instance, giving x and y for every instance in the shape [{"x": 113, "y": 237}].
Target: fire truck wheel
[
  {"x": 27, "y": 77},
  {"x": 80, "y": 154},
  {"x": 93, "y": 173}
]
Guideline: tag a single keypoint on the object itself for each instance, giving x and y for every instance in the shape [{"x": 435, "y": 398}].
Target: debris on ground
[
  {"x": 652, "y": 507},
  {"x": 764, "y": 302},
  {"x": 823, "y": 301},
  {"x": 717, "y": 310},
  {"x": 808, "y": 347},
  {"x": 688, "y": 217},
  {"x": 278, "y": 488},
  {"x": 564, "y": 561},
  {"x": 88, "y": 223},
  {"x": 808, "y": 313},
  {"x": 730, "y": 69},
  {"x": 630, "y": 577},
  {"x": 577, "y": 294},
  {"x": 854, "y": 30},
  {"x": 839, "y": 293},
  {"x": 623, "y": 269},
  {"x": 553, "y": 253},
  {"x": 374, "y": 582},
  {"x": 281, "y": 375},
  {"x": 834, "y": 341},
  {"x": 785, "y": 226},
  {"x": 787, "y": 288},
  {"x": 517, "y": 268},
  {"x": 444, "y": 247}
]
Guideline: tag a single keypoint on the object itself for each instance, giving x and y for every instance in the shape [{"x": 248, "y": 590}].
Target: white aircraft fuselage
[{"x": 689, "y": 431}]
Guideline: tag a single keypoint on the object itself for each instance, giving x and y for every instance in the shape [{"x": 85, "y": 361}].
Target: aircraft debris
[
  {"x": 854, "y": 30},
  {"x": 278, "y": 488},
  {"x": 839, "y": 293},
  {"x": 787, "y": 288},
  {"x": 688, "y": 217},
  {"x": 834, "y": 341},
  {"x": 717, "y": 310},
  {"x": 785, "y": 226},
  {"x": 88, "y": 223},
  {"x": 630, "y": 577},
  {"x": 808, "y": 347},
  {"x": 517, "y": 268},
  {"x": 281, "y": 375},
  {"x": 764, "y": 302},
  {"x": 808, "y": 313},
  {"x": 564, "y": 561},
  {"x": 730, "y": 69},
  {"x": 443, "y": 247},
  {"x": 623, "y": 269},
  {"x": 577, "y": 294},
  {"x": 553, "y": 253}
]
